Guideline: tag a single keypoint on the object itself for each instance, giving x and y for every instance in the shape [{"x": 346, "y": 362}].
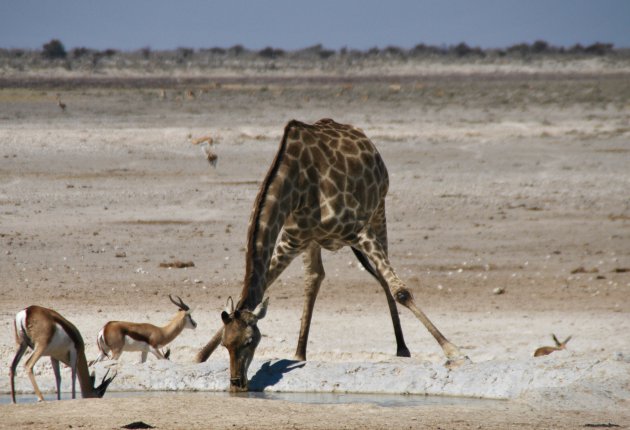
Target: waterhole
[{"x": 385, "y": 400}]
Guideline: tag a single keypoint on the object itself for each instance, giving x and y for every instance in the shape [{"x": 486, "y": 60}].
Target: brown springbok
[
  {"x": 50, "y": 334},
  {"x": 546, "y": 350},
  {"x": 119, "y": 336}
]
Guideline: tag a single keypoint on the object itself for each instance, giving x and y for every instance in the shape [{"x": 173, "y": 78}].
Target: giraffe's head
[{"x": 241, "y": 337}]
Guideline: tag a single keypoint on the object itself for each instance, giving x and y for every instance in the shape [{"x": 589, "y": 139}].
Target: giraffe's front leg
[{"x": 314, "y": 277}]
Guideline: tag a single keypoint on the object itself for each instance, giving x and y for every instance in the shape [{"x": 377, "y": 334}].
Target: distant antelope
[
  {"x": 61, "y": 104},
  {"x": 206, "y": 142},
  {"x": 119, "y": 336},
  {"x": 546, "y": 350},
  {"x": 50, "y": 334}
]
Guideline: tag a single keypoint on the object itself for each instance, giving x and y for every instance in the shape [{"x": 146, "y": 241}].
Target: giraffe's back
[{"x": 341, "y": 179}]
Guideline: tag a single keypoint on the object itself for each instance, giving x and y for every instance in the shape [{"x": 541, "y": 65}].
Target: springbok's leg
[
  {"x": 154, "y": 351},
  {"x": 55, "y": 365},
  {"x": 30, "y": 363},
  {"x": 376, "y": 253},
  {"x": 143, "y": 356},
  {"x": 18, "y": 356},
  {"x": 314, "y": 276},
  {"x": 73, "y": 371}
]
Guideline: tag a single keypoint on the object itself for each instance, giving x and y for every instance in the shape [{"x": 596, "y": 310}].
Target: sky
[{"x": 290, "y": 25}]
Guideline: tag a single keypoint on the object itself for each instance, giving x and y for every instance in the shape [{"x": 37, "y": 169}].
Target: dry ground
[{"x": 512, "y": 181}]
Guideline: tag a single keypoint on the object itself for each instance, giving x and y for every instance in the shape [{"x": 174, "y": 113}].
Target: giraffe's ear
[
  {"x": 261, "y": 309},
  {"x": 225, "y": 317}
]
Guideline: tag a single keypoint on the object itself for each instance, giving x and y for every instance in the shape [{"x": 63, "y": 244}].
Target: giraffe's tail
[{"x": 365, "y": 262}]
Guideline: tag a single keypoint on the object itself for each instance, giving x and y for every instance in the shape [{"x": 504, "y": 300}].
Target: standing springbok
[
  {"x": 119, "y": 336},
  {"x": 50, "y": 334}
]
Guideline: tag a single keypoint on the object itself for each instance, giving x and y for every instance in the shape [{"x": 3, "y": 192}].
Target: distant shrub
[
  {"x": 540, "y": 46},
  {"x": 394, "y": 51},
  {"x": 520, "y": 48},
  {"x": 422, "y": 49},
  {"x": 462, "y": 49},
  {"x": 16, "y": 53},
  {"x": 326, "y": 53},
  {"x": 316, "y": 51},
  {"x": 79, "y": 52},
  {"x": 236, "y": 50},
  {"x": 145, "y": 52},
  {"x": 599, "y": 48},
  {"x": 185, "y": 52},
  {"x": 109, "y": 52},
  {"x": 270, "y": 52},
  {"x": 53, "y": 50},
  {"x": 217, "y": 50},
  {"x": 373, "y": 51}
]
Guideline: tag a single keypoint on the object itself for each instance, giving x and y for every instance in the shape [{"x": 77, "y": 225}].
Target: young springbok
[
  {"x": 119, "y": 336},
  {"x": 50, "y": 334}
]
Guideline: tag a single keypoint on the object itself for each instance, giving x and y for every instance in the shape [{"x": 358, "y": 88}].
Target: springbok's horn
[{"x": 181, "y": 304}]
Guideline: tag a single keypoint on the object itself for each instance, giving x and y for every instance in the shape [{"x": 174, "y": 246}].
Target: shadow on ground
[{"x": 270, "y": 373}]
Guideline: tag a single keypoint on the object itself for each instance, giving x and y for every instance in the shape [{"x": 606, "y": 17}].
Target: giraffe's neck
[{"x": 271, "y": 209}]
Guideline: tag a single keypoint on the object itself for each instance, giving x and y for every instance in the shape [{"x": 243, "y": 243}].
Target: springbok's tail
[
  {"x": 102, "y": 347},
  {"x": 15, "y": 333}
]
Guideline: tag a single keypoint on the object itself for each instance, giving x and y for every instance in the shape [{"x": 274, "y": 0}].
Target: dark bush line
[{"x": 55, "y": 50}]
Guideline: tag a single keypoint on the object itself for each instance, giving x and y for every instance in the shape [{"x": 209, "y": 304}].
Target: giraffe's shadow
[{"x": 270, "y": 373}]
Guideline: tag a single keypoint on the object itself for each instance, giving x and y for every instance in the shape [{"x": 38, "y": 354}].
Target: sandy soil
[{"x": 517, "y": 182}]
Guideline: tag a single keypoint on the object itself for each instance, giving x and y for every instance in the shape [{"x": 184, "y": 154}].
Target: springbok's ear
[
  {"x": 229, "y": 306},
  {"x": 261, "y": 309},
  {"x": 225, "y": 317}
]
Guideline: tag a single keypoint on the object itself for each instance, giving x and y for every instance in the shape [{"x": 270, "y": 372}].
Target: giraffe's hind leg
[
  {"x": 379, "y": 228},
  {"x": 377, "y": 253},
  {"x": 401, "y": 347}
]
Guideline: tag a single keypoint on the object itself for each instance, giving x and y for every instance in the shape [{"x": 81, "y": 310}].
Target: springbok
[
  {"x": 119, "y": 336},
  {"x": 546, "y": 350},
  {"x": 205, "y": 143},
  {"x": 50, "y": 334},
  {"x": 61, "y": 104}
]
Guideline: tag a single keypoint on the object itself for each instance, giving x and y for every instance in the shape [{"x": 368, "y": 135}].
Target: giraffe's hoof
[
  {"x": 455, "y": 362},
  {"x": 403, "y": 352}
]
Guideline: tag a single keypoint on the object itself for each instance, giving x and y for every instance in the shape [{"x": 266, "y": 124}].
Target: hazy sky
[{"x": 362, "y": 24}]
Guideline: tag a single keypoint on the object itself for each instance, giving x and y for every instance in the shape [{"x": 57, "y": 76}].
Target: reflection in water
[{"x": 386, "y": 400}]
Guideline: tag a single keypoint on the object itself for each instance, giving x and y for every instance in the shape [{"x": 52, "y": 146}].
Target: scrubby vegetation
[{"x": 53, "y": 55}]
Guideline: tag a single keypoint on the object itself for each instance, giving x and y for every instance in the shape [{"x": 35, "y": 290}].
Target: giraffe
[{"x": 326, "y": 189}]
